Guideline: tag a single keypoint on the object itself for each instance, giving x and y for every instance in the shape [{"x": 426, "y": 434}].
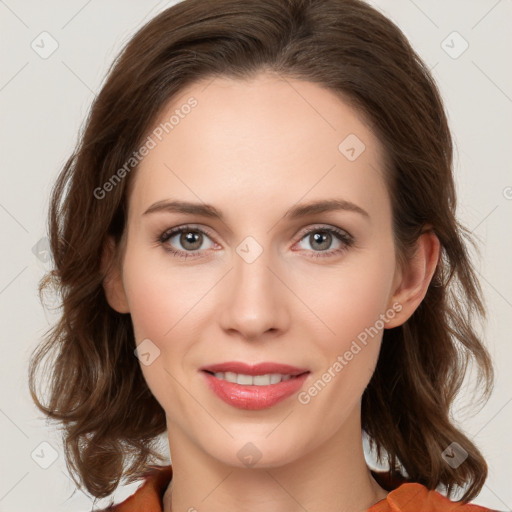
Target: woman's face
[{"x": 264, "y": 280}]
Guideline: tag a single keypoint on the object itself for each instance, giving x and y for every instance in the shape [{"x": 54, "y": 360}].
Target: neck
[{"x": 333, "y": 476}]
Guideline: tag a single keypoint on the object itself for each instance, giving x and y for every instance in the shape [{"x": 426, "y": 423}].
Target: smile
[{"x": 253, "y": 392}]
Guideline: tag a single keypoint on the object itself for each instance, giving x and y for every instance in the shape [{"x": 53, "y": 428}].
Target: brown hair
[{"x": 97, "y": 390}]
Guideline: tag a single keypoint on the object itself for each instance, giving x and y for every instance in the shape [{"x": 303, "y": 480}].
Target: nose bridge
[{"x": 255, "y": 303}]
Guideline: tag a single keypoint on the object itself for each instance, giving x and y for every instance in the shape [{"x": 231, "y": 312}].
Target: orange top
[{"x": 403, "y": 496}]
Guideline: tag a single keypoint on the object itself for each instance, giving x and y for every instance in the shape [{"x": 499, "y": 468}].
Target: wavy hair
[{"x": 96, "y": 389}]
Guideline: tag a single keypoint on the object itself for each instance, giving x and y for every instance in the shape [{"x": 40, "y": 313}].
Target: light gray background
[{"x": 43, "y": 104}]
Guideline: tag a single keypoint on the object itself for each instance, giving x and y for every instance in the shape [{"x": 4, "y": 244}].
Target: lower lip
[{"x": 254, "y": 397}]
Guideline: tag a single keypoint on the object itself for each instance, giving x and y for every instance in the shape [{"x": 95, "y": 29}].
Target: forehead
[{"x": 261, "y": 138}]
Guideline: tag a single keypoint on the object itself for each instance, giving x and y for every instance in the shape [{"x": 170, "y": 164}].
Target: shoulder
[
  {"x": 403, "y": 496},
  {"x": 414, "y": 497},
  {"x": 149, "y": 495}
]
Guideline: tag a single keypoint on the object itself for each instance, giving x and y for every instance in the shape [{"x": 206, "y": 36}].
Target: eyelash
[{"x": 344, "y": 237}]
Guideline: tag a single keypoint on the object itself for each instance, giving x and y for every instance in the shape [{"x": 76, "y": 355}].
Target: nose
[{"x": 255, "y": 300}]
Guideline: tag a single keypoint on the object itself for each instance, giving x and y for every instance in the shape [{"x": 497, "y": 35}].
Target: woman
[{"x": 255, "y": 132}]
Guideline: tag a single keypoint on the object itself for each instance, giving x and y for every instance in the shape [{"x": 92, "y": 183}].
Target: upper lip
[{"x": 256, "y": 369}]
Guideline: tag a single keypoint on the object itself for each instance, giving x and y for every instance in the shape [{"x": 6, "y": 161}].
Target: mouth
[{"x": 254, "y": 387}]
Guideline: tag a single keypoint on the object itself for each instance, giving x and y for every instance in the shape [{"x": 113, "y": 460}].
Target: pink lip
[
  {"x": 257, "y": 369},
  {"x": 253, "y": 397}
]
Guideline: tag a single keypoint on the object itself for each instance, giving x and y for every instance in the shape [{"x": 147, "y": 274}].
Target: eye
[
  {"x": 189, "y": 238},
  {"x": 320, "y": 238}
]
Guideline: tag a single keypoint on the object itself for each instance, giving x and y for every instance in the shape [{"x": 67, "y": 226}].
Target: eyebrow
[{"x": 295, "y": 212}]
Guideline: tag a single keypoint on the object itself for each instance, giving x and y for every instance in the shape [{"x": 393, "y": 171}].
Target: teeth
[{"x": 252, "y": 380}]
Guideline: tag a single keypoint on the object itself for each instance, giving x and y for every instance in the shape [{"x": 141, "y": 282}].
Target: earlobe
[
  {"x": 414, "y": 278},
  {"x": 113, "y": 281}
]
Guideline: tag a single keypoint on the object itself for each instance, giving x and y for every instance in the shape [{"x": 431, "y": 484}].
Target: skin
[{"x": 254, "y": 149}]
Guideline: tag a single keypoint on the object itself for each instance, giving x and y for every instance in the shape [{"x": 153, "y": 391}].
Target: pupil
[
  {"x": 319, "y": 237},
  {"x": 191, "y": 238}
]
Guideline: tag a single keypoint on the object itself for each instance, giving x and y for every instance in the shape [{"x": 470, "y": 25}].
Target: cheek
[
  {"x": 352, "y": 316},
  {"x": 351, "y": 300},
  {"x": 164, "y": 297},
  {"x": 160, "y": 295},
  {"x": 148, "y": 303},
  {"x": 161, "y": 300}
]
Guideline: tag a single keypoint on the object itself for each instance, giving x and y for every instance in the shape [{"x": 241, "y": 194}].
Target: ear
[
  {"x": 412, "y": 281},
  {"x": 113, "y": 280}
]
